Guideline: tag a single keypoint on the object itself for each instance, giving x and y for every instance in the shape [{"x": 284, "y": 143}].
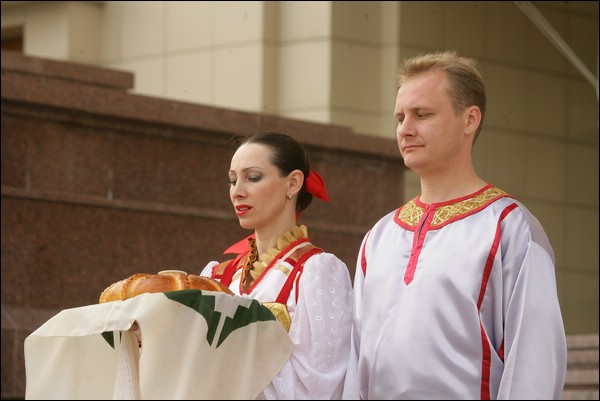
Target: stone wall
[{"x": 99, "y": 184}]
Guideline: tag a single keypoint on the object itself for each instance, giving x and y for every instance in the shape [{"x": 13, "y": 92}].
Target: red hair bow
[{"x": 316, "y": 186}]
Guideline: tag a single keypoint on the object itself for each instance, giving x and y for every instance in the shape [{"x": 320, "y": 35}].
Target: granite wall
[{"x": 99, "y": 184}]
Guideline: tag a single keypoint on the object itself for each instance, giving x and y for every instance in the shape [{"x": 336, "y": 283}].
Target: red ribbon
[{"x": 316, "y": 186}]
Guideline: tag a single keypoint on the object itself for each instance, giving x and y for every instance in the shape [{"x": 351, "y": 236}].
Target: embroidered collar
[
  {"x": 410, "y": 214},
  {"x": 255, "y": 267}
]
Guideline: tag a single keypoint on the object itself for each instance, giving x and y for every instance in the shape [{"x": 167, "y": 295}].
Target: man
[{"x": 455, "y": 291}]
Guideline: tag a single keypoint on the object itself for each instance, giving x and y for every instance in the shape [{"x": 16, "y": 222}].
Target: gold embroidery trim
[
  {"x": 284, "y": 269},
  {"x": 411, "y": 213},
  {"x": 281, "y": 313},
  {"x": 254, "y": 268}
]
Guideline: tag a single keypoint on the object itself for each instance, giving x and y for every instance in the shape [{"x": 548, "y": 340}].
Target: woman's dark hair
[{"x": 287, "y": 155}]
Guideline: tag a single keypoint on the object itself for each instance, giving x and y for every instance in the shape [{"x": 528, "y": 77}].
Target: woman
[{"x": 309, "y": 290}]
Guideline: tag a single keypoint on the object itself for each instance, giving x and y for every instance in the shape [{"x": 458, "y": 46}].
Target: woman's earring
[{"x": 289, "y": 196}]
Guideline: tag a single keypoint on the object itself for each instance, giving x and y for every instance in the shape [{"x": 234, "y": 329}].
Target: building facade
[{"x": 334, "y": 62}]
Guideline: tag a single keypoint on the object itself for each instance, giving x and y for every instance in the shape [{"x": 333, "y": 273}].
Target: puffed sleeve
[
  {"x": 208, "y": 270},
  {"x": 320, "y": 330}
]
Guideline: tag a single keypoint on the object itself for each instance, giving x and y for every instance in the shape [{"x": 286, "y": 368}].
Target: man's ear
[
  {"x": 295, "y": 181},
  {"x": 473, "y": 119}
]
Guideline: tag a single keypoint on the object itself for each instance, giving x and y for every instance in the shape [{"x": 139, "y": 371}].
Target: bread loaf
[{"x": 166, "y": 280}]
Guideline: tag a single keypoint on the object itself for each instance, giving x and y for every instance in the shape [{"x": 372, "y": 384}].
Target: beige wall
[{"x": 335, "y": 62}]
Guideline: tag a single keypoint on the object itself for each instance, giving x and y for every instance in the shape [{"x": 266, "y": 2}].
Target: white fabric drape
[{"x": 183, "y": 354}]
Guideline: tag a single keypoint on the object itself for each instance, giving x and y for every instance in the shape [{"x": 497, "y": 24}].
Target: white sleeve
[
  {"x": 534, "y": 369},
  {"x": 207, "y": 271},
  {"x": 320, "y": 330},
  {"x": 352, "y": 385}
]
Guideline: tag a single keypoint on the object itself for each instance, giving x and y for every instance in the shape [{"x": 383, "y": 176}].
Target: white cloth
[
  {"x": 320, "y": 330},
  {"x": 482, "y": 306},
  {"x": 127, "y": 386},
  {"x": 192, "y": 344}
]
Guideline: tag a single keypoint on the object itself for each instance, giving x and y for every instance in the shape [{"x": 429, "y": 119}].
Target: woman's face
[{"x": 257, "y": 190}]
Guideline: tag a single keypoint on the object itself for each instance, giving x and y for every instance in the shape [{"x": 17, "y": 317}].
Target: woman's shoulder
[
  {"x": 323, "y": 259},
  {"x": 325, "y": 270}
]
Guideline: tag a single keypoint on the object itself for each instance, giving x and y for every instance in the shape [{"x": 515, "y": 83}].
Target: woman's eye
[{"x": 254, "y": 178}]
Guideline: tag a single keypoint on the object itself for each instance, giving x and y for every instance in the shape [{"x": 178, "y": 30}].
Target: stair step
[
  {"x": 582, "y": 377},
  {"x": 578, "y": 358},
  {"x": 582, "y": 341},
  {"x": 572, "y": 394},
  {"x": 582, "y": 380}
]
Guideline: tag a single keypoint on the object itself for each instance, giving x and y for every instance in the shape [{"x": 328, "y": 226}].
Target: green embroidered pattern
[{"x": 205, "y": 306}]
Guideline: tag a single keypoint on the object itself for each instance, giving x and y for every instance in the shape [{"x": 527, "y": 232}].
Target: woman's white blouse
[{"x": 321, "y": 324}]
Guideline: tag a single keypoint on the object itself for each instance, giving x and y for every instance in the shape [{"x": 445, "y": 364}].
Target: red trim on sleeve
[
  {"x": 485, "y": 344},
  {"x": 363, "y": 256}
]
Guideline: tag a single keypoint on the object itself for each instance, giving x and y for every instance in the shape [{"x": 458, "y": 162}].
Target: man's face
[{"x": 430, "y": 135}]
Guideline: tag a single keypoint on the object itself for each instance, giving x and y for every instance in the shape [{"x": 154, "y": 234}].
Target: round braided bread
[{"x": 166, "y": 280}]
